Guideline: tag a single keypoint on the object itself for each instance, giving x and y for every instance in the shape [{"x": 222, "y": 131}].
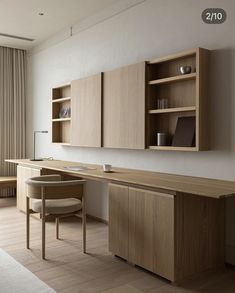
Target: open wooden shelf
[
  {"x": 173, "y": 79},
  {"x": 62, "y": 143},
  {"x": 187, "y": 96},
  {"x": 61, "y": 119},
  {"x": 172, "y": 110},
  {"x": 172, "y": 148},
  {"x": 61, "y": 100}
]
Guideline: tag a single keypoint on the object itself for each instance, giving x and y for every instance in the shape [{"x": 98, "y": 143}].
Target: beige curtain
[{"x": 12, "y": 109}]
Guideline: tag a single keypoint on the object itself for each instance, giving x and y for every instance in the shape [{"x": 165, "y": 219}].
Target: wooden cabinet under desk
[
  {"x": 173, "y": 235},
  {"x": 24, "y": 173}
]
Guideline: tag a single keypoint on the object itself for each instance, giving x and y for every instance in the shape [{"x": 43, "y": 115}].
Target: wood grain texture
[
  {"x": 118, "y": 220},
  {"x": 24, "y": 173},
  {"x": 7, "y": 181},
  {"x": 164, "y": 236},
  {"x": 203, "y": 99},
  {"x": 167, "y": 183},
  {"x": 199, "y": 230},
  {"x": 141, "y": 228},
  {"x": 151, "y": 231},
  {"x": 124, "y": 107},
  {"x": 87, "y": 111}
]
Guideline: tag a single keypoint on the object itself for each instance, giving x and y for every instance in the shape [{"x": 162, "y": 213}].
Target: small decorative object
[
  {"x": 65, "y": 112},
  {"x": 107, "y": 168},
  {"x": 185, "y": 132},
  {"x": 185, "y": 69},
  {"x": 161, "y": 139},
  {"x": 34, "y": 144},
  {"x": 162, "y": 103}
]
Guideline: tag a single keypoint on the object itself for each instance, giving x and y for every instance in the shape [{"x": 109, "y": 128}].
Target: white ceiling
[{"x": 20, "y": 17}]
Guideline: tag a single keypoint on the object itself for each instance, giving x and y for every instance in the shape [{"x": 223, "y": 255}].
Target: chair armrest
[{"x": 52, "y": 180}]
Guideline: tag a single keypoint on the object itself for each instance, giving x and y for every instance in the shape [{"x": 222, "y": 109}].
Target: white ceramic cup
[{"x": 107, "y": 168}]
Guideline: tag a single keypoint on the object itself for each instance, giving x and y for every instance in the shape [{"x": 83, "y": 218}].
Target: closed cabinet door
[
  {"x": 24, "y": 173},
  {"x": 141, "y": 228},
  {"x": 86, "y": 111},
  {"x": 124, "y": 107},
  {"x": 118, "y": 220},
  {"x": 151, "y": 231}
]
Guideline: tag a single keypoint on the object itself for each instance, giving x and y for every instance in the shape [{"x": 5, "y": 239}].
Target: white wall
[{"x": 151, "y": 29}]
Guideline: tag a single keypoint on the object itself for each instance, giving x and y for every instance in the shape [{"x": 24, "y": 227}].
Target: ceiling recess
[{"x": 16, "y": 37}]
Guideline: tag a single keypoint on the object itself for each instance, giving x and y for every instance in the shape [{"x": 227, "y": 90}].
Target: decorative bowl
[{"x": 185, "y": 69}]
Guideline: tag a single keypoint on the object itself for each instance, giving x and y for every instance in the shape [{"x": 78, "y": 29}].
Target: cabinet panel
[
  {"x": 23, "y": 173},
  {"x": 199, "y": 234},
  {"x": 164, "y": 235},
  {"x": 124, "y": 107},
  {"x": 118, "y": 220},
  {"x": 151, "y": 231},
  {"x": 141, "y": 227},
  {"x": 86, "y": 111}
]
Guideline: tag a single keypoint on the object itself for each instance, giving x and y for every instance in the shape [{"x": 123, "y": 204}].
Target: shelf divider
[
  {"x": 173, "y": 79},
  {"x": 61, "y": 100},
  {"x": 172, "y": 148},
  {"x": 172, "y": 110},
  {"x": 61, "y": 119}
]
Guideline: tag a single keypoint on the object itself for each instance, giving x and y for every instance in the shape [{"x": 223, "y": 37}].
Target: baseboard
[{"x": 97, "y": 219}]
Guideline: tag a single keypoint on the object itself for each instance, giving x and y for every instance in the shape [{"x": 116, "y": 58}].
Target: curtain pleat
[{"x": 12, "y": 109}]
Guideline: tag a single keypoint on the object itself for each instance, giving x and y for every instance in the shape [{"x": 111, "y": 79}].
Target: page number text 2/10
[{"x": 214, "y": 15}]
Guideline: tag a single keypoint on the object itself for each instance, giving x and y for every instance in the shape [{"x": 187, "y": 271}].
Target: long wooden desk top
[{"x": 146, "y": 179}]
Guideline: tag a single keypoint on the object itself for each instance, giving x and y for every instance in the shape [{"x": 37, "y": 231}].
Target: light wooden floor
[{"x": 69, "y": 270}]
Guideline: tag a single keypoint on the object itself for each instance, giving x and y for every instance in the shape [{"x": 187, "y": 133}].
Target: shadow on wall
[{"x": 221, "y": 99}]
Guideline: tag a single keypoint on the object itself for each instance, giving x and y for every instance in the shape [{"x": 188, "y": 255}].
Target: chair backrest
[{"x": 52, "y": 187}]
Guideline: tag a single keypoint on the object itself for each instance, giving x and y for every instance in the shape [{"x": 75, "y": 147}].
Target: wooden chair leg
[
  {"x": 43, "y": 226},
  {"x": 27, "y": 222},
  {"x": 57, "y": 221}
]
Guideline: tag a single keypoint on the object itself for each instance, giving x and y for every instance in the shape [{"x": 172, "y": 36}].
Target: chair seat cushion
[{"x": 57, "y": 206}]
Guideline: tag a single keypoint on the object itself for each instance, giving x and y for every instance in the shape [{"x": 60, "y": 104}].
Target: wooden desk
[
  {"x": 138, "y": 178},
  {"x": 169, "y": 224}
]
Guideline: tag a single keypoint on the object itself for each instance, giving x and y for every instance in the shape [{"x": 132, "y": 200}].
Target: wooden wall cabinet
[
  {"x": 24, "y": 173},
  {"x": 121, "y": 109},
  {"x": 173, "y": 235},
  {"x": 124, "y": 107},
  {"x": 86, "y": 107}
]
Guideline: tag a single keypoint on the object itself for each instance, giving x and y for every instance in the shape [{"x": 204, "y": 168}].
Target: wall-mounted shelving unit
[
  {"x": 186, "y": 95},
  {"x": 61, "y": 100},
  {"x": 120, "y": 108}
]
